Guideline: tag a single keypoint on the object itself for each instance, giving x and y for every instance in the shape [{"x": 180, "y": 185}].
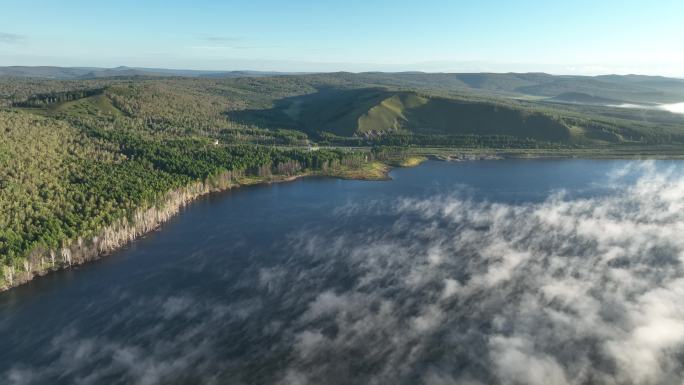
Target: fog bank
[{"x": 439, "y": 290}]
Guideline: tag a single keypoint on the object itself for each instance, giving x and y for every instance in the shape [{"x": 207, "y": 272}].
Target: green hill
[
  {"x": 378, "y": 111},
  {"x": 372, "y": 108},
  {"x": 630, "y": 88},
  {"x": 636, "y": 89}
]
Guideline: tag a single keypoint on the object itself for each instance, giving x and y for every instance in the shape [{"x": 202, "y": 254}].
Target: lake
[{"x": 517, "y": 271}]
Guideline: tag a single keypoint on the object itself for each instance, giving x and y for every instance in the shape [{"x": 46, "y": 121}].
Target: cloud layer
[
  {"x": 568, "y": 291},
  {"x": 440, "y": 291}
]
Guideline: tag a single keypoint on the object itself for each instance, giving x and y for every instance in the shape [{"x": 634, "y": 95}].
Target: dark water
[{"x": 450, "y": 273}]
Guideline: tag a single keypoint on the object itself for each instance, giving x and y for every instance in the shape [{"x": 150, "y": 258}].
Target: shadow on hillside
[{"x": 346, "y": 112}]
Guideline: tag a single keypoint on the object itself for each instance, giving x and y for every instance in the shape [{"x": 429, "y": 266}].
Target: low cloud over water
[
  {"x": 443, "y": 290},
  {"x": 677, "y": 108}
]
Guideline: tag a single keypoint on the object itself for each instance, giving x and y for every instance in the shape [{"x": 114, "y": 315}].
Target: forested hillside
[
  {"x": 87, "y": 165},
  {"x": 82, "y": 173},
  {"x": 632, "y": 88},
  {"x": 392, "y": 116},
  {"x": 374, "y": 112}
]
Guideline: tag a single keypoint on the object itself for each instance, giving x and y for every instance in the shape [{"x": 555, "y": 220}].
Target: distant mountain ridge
[
  {"x": 83, "y": 73},
  {"x": 638, "y": 89},
  {"x": 625, "y": 88}
]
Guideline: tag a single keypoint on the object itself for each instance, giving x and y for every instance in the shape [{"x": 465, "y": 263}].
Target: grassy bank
[{"x": 368, "y": 171}]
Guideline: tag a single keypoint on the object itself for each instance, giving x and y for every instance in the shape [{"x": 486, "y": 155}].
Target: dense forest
[{"x": 87, "y": 165}]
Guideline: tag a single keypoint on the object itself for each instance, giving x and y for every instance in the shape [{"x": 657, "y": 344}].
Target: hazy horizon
[{"x": 276, "y": 71}]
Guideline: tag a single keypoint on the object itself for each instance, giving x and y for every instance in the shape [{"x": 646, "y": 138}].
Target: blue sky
[{"x": 585, "y": 37}]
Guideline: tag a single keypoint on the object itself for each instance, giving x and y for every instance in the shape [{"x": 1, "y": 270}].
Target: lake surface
[{"x": 524, "y": 271}]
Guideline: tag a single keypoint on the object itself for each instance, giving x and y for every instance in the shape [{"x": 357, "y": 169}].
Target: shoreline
[
  {"x": 149, "y": 219},
  {"x": 624, "y": 153}
]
